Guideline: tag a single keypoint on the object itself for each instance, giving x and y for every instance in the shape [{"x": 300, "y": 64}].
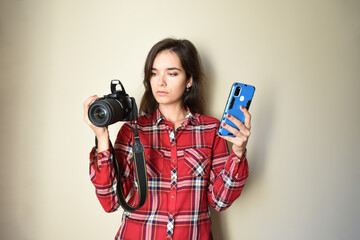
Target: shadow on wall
[
  {"x": 208, "y": 84},
  {"x": 218, "y": 225},
  {"x": 262, "y": 129}
]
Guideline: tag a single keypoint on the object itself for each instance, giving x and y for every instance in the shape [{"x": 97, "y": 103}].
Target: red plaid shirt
[{"x": 188, "y": 170}]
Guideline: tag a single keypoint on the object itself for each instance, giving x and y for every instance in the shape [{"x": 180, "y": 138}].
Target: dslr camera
[{"x": 114, "y": 107}]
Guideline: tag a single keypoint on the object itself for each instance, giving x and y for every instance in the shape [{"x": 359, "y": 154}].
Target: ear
[{"x": 189, "y": 82}]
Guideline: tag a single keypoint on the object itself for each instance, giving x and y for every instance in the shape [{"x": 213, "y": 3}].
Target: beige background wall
[{"x": 302, "y": 56}]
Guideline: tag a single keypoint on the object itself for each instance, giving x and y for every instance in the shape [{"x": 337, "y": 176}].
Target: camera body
[{"x": 114, "y": 107}]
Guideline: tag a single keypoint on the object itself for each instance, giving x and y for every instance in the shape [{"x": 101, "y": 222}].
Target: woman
[{"x": 189, "y": 166}]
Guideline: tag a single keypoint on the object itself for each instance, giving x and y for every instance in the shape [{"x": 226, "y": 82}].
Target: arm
[
  {"x": 102, "y": 172},
  {"x": 102, "y": 175},
  {"x": 227, "y": 176},
  {"x": 227, "y": 182}
]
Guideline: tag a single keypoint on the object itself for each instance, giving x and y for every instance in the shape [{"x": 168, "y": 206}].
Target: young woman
[{"x": 189, "y": 166}]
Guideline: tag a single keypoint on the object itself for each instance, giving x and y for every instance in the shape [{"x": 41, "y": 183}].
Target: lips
[{"x": 161, "y": 93}]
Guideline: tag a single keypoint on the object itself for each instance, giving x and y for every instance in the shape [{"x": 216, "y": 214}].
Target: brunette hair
[{"x": 190, "y": 61}]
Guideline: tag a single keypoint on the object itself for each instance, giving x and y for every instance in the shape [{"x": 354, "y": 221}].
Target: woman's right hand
[{"x": 101, "y": 133}]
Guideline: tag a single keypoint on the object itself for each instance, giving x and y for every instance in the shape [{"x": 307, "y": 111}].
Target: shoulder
[
  {"x": 143, "y": 122},
  {"x": 203, "y": 119},
  {"x": 145, "y": 119},
  {"x": 127, "y": 127},
  {"x": 206, "y": 122}
]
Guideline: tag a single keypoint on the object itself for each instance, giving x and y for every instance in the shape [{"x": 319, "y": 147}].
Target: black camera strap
[{"x": 140, "y": 169}]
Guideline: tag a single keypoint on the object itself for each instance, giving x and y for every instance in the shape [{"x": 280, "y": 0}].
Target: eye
[
  {"x": 173, "y": 74},
  {"x": 153, "y": 73}
]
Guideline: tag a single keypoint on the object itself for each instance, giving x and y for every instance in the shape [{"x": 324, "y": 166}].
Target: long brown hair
[{"x": 191, "y": 63}]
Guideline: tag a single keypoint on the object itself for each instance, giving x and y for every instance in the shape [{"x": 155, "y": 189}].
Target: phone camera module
[{"x": 237, "y": 91}]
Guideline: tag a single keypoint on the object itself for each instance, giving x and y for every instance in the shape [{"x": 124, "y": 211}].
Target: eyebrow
[{"x": 171, "y": 68}]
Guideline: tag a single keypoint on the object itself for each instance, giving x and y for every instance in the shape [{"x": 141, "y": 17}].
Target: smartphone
[{"x": 240, "y": 94}]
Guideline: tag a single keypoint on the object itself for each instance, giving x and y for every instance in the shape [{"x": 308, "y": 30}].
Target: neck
[{"x": 174, "y": 114}]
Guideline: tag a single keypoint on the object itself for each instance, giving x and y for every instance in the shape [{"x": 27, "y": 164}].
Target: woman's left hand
[{"x": 242, "y": 135}]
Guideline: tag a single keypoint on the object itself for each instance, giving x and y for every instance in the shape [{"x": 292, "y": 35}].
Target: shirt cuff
[
  {"x": 100, "y": 158},
  {"x": 236, "y": 159}
]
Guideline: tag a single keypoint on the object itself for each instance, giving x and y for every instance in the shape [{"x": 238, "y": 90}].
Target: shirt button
[
  {"x": 172, "y": 196},
  {"x": 171, "y": 216},
  {"x": 174, "y": 160},
  {"x": 100, "y": 155}
]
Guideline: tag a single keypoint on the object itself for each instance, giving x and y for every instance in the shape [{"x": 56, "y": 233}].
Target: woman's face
[{"x": 168, "y": 80}]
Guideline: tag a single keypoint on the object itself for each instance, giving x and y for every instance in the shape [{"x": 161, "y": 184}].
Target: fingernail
[
  {"x": 224, "y": 124},
  {"x": 241, "y": 106},
  {"x": 228, "y": 115}
]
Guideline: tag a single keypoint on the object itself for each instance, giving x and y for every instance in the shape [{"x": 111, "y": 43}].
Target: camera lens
[
  {"x": 104, "y": 112},
  {"x": 99, "y": 114}
]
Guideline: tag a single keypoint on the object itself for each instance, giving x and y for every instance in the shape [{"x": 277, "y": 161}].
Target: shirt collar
[{"x": 189, "y": 118}]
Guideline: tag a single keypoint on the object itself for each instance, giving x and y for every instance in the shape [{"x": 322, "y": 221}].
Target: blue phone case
[{"x": 240, "y": 94}]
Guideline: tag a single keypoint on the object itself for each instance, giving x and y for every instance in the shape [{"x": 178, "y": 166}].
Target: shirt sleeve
[
  {"x": 103, "y": 174},
  {"x": 227, "y": 176}
]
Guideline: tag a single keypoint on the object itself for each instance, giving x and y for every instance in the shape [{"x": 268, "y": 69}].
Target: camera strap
[{"x": 140, "y": 169}]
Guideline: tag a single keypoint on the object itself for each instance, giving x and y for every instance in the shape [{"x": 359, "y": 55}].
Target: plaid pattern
[
  {"x": 173, "y": 177},
  {"x": 170, "y": 228},
  {"x": 188, "y": 170}
]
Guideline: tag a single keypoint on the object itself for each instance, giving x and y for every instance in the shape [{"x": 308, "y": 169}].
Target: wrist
[
  {"x": 102, "y": 133},
  {"x": 239, "y": 153},
  {"x": 103, "y": 142},
  {"x": 103, "y": 137}
]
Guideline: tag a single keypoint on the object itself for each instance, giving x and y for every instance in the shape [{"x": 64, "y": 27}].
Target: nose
[{"x": 161, "y": 80}]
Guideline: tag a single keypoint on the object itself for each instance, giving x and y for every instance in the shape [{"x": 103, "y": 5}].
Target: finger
[
  {"x": 236, "y": 141},
  {"x": 229, "y": 139},
  {"x": 247, "y": 121},
  {"x": 242, "y": 133},
  {"x": 242, "y": 128},
  {"x": 86, "y": 105},
  {"x": 234, "y": 120},
  {"x": 89, "y": 100},
  {"x": 231, "y": 129}
]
